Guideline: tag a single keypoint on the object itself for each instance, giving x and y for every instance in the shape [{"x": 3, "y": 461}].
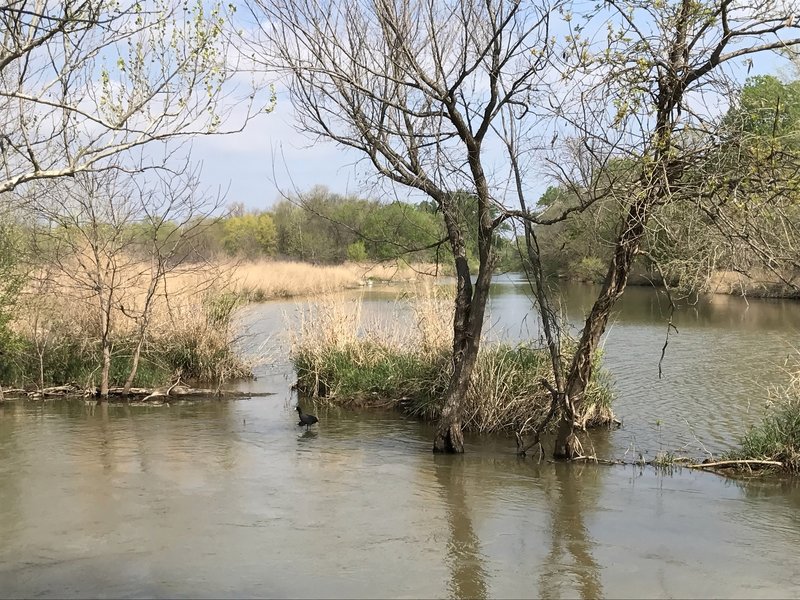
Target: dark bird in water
[{"x": 305, "y": 419}]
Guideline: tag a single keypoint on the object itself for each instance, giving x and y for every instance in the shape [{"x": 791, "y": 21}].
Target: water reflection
[
  {"x": 231, "y": 499},
  {"x": 464, "y": 558},
  {"x": 570, "y": 560}
]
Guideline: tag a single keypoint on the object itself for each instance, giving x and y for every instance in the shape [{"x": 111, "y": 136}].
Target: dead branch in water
[
  {"x": 139, "y": 394},
  {"x": 725, "y": 464}
]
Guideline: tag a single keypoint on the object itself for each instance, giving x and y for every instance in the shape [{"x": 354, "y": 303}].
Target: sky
[{"x": 270, "y": 159}]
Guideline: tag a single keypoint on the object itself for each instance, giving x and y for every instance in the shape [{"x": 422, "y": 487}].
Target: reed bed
[
  {"x": 344, "y": 356},
  {"x": 57, "y": 333},
  {"x": 265, "y": 280},
  {"x": 57, "y": 322}
]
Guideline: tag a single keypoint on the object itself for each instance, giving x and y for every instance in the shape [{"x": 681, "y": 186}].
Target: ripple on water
[{"x": 233, "y": 499}]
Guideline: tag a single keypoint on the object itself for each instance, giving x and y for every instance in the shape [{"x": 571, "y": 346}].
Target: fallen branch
[
  {"x": 594, "y": 459},
  {"x": 724, "y": 464},
  {"x": 137, "y": 394}
]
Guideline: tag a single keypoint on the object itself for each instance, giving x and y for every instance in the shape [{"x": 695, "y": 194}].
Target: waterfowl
[{"x": 305, "y": 419}]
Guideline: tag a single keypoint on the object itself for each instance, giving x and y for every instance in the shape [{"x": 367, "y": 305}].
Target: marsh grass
[
  {"x": 57, "y": 337},
  {"x": 777, "y": 436},
  {"x": 404, "y": 361},
  {"x": 264, "y": 280},
  {"x": 56, "y": 325}
]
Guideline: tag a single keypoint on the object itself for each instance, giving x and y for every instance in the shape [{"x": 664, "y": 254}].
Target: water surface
[{"x": 232, "y": 499}]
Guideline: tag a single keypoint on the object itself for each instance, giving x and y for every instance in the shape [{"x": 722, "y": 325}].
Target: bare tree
[
  {"x": 85, "y": 82},
  {"x": 418, "y": 87},
  {"x": 110, "y": 243},
  {"x": 172, "y": 213}
]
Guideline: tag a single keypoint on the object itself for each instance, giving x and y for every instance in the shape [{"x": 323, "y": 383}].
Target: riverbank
[
  {"x": 151, "y": 331},
  {"x": 258, "y": 281},
  {"x": 757, "y": 284}
]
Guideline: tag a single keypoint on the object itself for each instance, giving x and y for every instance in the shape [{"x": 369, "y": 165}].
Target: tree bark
[
  {"x": 470, "y": 307},
  {"x": 654, "y": 186}
]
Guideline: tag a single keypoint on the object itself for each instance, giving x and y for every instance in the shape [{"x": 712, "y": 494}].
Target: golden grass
[
  {"x": 264, "y": 280},
  {"x": 420, "y": 322},
  {"x": 71, "y": 299},
  {"x": 759, "y": 284},
  {"x": 189, "y": 318}
]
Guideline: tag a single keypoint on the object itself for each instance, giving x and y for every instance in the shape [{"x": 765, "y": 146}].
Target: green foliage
[
  {"x": 505, "y": 393},
  {"x": 742, "y": 185},
  {"x": 768, "y": 107},
  {"x": 400, "y": 229},
  {"x": 367, "y": 371},
  {"x": 11, "y": 281},
  {"x": 579, "y": 246},
  {"x": 590, "y": 269},
  {"x": 250, "y": 235},
  {"x": 356, "y": 251},
  {"x": 329, "y": 228},
  {"x": 777, "y": 437}
]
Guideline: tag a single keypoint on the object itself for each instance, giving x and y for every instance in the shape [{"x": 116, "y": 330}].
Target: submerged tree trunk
[
  {"x": 470, "y": 308},
  {"x": 633, "y": 229}
]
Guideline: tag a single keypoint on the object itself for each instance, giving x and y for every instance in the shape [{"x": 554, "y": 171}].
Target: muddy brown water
[{"x": 232, "y": 499}]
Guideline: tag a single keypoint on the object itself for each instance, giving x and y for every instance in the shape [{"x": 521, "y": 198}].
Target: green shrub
[
  {"x": 777, "y": 438},
  {"x": 590, "y": 268}
]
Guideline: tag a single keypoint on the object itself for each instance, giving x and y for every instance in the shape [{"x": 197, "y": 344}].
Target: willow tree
[
  {"x": 650, "y": 91},
  {"x": 420, "y": 89},
  {"x": 83, "y": 83}
]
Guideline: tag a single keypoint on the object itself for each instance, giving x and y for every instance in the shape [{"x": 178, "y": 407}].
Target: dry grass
[
  {"x": 760, "y": 284},
  {"x": 58, "y": 328},
  {"x": 777, "y": 436},
  {"x": 58, "y": 318},
  {"x": 404, "y": 360},
  {"x": 264, "y": 280}
]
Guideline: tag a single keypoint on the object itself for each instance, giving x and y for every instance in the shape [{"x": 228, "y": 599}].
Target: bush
[
  {"x": 357, "y": 252},
  {"x": 590, "y": 269}
]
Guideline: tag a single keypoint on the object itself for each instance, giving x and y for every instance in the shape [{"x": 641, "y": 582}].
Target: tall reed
[{"x": 343, "y": 356}]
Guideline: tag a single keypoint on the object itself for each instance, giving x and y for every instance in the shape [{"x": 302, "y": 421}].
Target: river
[{"x": 232, "y": 499}]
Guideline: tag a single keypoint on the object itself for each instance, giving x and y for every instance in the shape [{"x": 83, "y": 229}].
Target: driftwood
[
  {"x": 727, "y": 464},
  {"x": 680, "y": 462},
  {"x": 174, "y": 391}
]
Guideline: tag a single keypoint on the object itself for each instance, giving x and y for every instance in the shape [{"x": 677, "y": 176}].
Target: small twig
[
  {"x": 594, "y": 459},
  {"x": 670, "y": 325}
]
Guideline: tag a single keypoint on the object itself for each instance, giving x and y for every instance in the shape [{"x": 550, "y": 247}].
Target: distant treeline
[
  {"x": 735, "y": 210},
  {"x": 327, "y": 228}
]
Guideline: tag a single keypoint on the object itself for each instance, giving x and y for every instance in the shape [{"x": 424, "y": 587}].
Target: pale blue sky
[{"x": 270, "y": 157}]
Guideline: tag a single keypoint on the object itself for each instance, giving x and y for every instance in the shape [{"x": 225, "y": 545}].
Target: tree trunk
[
  {"x": 566, "y": 445},
  {"x": 137, "y": 353},
  {"x": 470, "y": 307},
  {"x": 449, "y": 437},
  {"x": 580, "y": 371},
  {"x": 104, "y": 376},
  {"x": 41, "y": 370}
]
